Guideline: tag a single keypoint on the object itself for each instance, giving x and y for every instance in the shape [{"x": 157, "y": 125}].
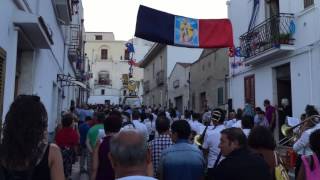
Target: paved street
[{"x": 76, "y": 173}]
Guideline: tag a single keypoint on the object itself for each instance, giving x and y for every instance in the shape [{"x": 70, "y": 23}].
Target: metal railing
[
  {"x": 176, "y": 83},
  {"x": 269, "y": 34},
  {"x": 102, "y": 82}
]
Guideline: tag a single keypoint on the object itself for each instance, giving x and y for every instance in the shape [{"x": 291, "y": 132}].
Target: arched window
[{"x": 104, "y": 78}]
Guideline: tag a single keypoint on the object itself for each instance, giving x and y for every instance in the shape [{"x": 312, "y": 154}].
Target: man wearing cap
[{"x": 212, "y": 140}]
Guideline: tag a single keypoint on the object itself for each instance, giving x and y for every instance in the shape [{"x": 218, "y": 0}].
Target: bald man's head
[{"x": 128, "y": 148}]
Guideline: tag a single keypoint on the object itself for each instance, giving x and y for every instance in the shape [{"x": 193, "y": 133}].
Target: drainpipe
[{"x": 310, "y": 74}]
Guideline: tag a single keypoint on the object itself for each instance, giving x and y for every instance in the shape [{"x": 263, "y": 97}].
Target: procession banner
[{"x": 165, "y": 28}]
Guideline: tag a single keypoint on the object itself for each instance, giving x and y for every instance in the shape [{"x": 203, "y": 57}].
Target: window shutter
[{"x": 220, "y": 96}]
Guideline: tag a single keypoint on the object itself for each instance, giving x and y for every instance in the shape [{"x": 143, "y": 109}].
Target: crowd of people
[{"x": 124, "y": 143}]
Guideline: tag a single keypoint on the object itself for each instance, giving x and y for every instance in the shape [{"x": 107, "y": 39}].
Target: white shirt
[
  {"x": 154, "y": 116},
  {"x": 136, "y": 178},
  {"x": 151, "y": 126},
  {"x": 302, "y": 145},
  {"x": 230, "y": 123},
  {"x": 195, "y": 126},
  {"x": 246, "y": 131},
  {"x": 211, "y": 142},
  {"x": 140, "y": 127},
  {"x": 237, "y": 124}
]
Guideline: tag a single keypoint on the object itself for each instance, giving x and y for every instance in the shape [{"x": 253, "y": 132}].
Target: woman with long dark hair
[{"x": 24, "y": 151}]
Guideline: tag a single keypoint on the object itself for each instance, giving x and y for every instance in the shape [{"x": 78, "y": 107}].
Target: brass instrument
[
  {"x": 198, "y": 139},
  {"x": 288, "y": 132}
]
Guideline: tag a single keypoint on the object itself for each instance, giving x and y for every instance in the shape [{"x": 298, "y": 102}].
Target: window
[
  {"x": 98, "y": 37},
  {"x": 102, "y": 91},
  {"x": 126, "y": 55},
  {"x": 220, "y": 96},
  {"x": 104, "y": 78},
  {"x": 203, "y": 101},
  {"x": 193, "y": 101},
  {"x": 104, "y": 53},
  {"x": 2, "y": 80},
  {"x": 249, "y": 89},
  {"x": 308, "y": 3}
]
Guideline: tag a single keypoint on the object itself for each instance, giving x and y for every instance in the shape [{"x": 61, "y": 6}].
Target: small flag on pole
[
  {"x": 165, "y": 28},
  {"x": 130, "y": 47}
]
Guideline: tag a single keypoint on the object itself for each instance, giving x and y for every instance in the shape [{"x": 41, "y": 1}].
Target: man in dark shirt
[{"x": 239, "y": 162}]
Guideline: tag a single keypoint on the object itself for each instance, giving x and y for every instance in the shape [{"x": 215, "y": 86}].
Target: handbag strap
[{"x": 217, "y": 161}]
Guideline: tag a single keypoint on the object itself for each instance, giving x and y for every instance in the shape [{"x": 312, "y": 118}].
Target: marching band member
[{"x": 211, "y": 142}]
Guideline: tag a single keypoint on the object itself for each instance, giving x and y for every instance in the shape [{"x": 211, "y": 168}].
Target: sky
[{"x": 119, "y": 16}]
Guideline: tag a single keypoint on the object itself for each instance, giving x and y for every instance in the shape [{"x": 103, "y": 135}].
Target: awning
[
  {"x": 67, "y": 80},
  {"x": 34, "y": 28}
]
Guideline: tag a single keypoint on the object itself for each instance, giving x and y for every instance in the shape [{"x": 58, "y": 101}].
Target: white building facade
[
  {"x": 178, "y": 86},
  {"x": 108, "y": 64},
  {"x": 40, "y": 54},
  {"x": 279, "y": 53}
]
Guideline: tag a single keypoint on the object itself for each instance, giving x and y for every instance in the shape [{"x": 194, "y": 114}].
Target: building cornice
[{"x": 155, "y": 49}]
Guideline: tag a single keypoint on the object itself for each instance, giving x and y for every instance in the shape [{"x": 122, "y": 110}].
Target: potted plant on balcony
[{"x": 284, "y": 38}]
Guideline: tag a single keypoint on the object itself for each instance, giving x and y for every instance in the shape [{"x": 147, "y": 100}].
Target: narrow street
[{"x": 76, "y": 173}]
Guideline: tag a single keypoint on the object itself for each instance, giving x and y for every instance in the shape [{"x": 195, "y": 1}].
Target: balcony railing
[
  {"x": 270, "y": 34},
  {"x": 160, "y": 78},
  {"x": 103, "y": 82},
  {"x": 75, "y": 43},
  {"x": 176, "y": 84}
]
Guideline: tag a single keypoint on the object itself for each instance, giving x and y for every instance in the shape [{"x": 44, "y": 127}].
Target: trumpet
[{"x": 288, "y": 132}]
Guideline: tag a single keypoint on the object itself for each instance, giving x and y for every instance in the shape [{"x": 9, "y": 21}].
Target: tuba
[{"x": 198, "y": 139}]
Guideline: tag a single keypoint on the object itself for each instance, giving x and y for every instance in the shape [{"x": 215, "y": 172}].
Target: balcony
[
  {"x": 146, "y": 87},
  {"x": 160, "y": 78},
  {"x": 75, "y": 42},
  {"x": 102, "y": 82},
  {"x": 271, "y": 38},
  {"x": 64, "y": 10},
  {"x": 176, "y": 84}
]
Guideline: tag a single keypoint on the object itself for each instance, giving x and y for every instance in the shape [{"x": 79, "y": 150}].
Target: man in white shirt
[
  {"x": 130, "y": 157},
  {"x": 231, "y": 120},
  {"x": 211, "y": 141},
  {"x": 301, "y": 146},
  {"x": 137, "y": 124},
  {"x": 195, "y": 124}
]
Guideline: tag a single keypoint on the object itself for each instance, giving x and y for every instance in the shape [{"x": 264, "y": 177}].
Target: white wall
[
  {"x": 8, "y": 41},
  {"x": 39, "y": 66},
  {"x": 304, "y": 65},
  {"x": 182, "y": 74}
]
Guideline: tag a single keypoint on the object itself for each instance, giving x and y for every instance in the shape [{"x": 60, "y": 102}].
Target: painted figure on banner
[{"x": 186, "y": 31}]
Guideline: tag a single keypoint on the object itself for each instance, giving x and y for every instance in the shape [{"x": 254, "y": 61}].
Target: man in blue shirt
[
  {"x": 83, "y": 131},
  {"x": 182, "y": 160}
]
